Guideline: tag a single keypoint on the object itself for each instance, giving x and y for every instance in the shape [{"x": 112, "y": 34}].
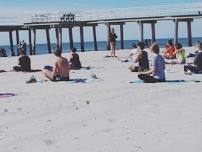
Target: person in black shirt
[
  {"x": 141, "y": 58},
  {"x": 197, "y": 68},
  {"x": 75, "y": 63},
  {"x": 112, "y": 40},
  {"x": 24, "y": 62}
]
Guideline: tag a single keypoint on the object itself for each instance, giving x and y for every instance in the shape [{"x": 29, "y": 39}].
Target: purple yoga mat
[{"x": 6, "y": 95}]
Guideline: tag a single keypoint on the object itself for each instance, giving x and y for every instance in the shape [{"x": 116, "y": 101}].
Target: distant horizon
[{"x": 105, "y": 41}]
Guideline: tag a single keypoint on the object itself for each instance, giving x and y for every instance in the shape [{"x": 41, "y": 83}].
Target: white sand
[{"x": 120, "y": 117}]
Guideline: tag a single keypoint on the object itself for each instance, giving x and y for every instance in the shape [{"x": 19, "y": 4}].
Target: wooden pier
[{"x": 42, "y": 21}]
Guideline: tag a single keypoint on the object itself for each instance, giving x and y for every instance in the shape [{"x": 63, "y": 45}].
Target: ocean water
[{"x": 102, "y": 45}]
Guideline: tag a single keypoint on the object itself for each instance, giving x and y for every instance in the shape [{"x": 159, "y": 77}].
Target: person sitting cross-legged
[
  {"x": 169, "y": 50},
  {"x": 74, "y": 61},
  {"x": 60, "y": 71},
  {"x": 141, "y": 57},
  {"x": 156, "y": 72},
  {"x": 24, "y": 62},
  {"x": 197, "y": 67}
]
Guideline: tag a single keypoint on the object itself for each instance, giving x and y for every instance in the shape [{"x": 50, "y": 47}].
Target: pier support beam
[
  {"x": 81, "y": 39},
  {"x": 30, "y": 41},
  {"x": 57, "y": 37},
  {"x": 71, "y": 42},
  {"x": 108, "y": 35},
  {"x": 141, "y": 24},
  {"x": 121, "y": 36},
  {"x": 189, "y": 33},
  {"x": 60, "y": 38},
  {"x": 95, "y": 38},
  {"x": 176, "y": 31},
  {"x": 34, "y": 42},
  {"x": 17, "y": 40},
  {"x": 11, "y": 43},
  {"x": 48, "y": 41},
  {"x": 153, "y": 32}
]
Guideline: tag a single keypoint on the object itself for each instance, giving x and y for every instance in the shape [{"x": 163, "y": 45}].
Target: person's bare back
[
  {"x": 60, "y": 70},
  {"x": 61, "y": 67}
]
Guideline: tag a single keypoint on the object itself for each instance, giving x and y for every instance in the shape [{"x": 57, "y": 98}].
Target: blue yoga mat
[{"x": 78, "y": 80}]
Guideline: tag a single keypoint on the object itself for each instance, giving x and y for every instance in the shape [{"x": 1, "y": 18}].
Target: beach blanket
[
  {"x": 6, "y": 95},
  {"x": 168, "y": 81}
]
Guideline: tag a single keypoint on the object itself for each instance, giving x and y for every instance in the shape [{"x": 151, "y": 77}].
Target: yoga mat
[
  {"x": 168, "y": 81},
  {"x": 6, "y": 95},
  {"x": 77, "y": 80}
]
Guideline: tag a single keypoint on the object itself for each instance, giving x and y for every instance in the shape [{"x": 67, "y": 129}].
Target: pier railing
[
  {"x": 121, "y": 13},
  {"x": 11, "y": 21}
]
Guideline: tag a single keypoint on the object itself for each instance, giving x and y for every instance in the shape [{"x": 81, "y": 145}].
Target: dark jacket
[
  {"x": 112, "y": 37},
  {"x": 75, "y": 61}
]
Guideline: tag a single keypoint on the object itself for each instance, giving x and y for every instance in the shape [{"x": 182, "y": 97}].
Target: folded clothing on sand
[
  {"x": 48, "y": 67},
  {"x": 2, "y": 71}
]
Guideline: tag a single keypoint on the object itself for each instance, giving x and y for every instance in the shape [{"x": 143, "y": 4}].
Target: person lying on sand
[
  {"x": 197, "y": 67},
  {"x": 60, "y": 71},
  {"x": 24, "y": 62},
  {"x": 141, "y": 57},
  {"x": 156, "y": 72}
]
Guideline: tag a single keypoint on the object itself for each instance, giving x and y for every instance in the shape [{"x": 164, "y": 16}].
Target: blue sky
[
  {"x": 88, "y": 4},
  {"x": 18, "y": 7}
]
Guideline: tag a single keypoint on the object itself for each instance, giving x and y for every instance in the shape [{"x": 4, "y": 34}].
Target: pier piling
[{"x": 11, "y": 43}]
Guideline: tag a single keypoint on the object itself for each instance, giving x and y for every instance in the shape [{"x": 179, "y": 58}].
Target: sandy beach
[{"x": 107, "y": 114}]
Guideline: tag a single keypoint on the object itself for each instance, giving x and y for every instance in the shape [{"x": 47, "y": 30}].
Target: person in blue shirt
[{"x": 156, "y": 72}]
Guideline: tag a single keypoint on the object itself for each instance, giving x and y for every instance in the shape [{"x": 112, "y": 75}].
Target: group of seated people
[
  {"x": 176, "y": 53},
  {"x": 60, "y": 70},
  {"x": 155, "y": 73},
  {"x": 149, "y": 73}
]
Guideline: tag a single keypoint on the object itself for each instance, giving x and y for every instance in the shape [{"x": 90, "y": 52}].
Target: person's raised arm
[{"x": 115, "y": 35}]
